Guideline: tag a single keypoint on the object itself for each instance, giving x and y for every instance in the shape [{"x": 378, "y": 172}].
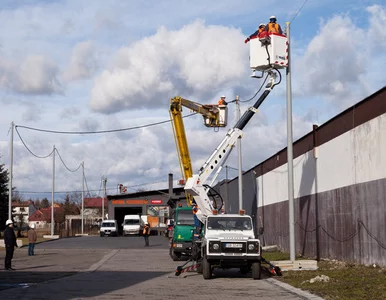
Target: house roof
[
  {"x": 22, "y": 203},
  {"x": 94, "y": 202},
  {"x": 44, "y": 214}
]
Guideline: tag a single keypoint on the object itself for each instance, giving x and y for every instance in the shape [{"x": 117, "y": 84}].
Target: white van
[
  {"x": 109, "y": 227},
  {"x": 132, "y": 224}
]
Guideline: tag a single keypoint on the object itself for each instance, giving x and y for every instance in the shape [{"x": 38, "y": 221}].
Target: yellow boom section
[{"x": 214, "y": 116}]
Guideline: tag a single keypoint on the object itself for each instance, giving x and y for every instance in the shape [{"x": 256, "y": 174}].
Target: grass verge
[{"x": 343, "y": 281}]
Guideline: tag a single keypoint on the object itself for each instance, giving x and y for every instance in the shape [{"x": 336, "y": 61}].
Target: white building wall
[{"x": 354, "y": 157}]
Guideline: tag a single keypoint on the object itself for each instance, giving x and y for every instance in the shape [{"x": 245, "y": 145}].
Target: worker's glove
[{"x": 246, "y": 40}]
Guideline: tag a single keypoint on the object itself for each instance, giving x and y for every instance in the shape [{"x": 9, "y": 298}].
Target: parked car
[
  {"x": 109, "y": 228},
  {"x": 133, "y": 224}
]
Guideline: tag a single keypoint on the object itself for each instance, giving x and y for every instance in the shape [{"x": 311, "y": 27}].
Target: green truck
[{"x": 182, "y": 233}]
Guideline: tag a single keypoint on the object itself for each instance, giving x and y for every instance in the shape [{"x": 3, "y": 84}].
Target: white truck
[
  {"x": 224, "y": 241},
  {"x": 133, "y": 224}
]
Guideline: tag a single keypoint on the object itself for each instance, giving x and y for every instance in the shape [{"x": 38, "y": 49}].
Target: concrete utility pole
[
  {"x": 291, "y": 209},
  {"x": 104, "y": 197},
  {"x": 240, "y": 158},
  {"x": 10, "y": 174},
  {"x": 82, "y": 226},
  {"x": 53, "y": 192}
]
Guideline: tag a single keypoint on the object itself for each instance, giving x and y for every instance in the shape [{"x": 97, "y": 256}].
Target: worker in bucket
[
  {"x": 273, "y": 27},
  {"x": 256, "y": 34},
  {"x": 222, "y": 100}
]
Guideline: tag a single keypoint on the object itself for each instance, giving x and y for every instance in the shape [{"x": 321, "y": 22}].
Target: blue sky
[{"x": 99, "y": 65}]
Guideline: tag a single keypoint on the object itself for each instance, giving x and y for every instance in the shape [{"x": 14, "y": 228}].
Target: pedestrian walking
[
  {"x": 32, "y": 237},
  {"x": 146, "y": 233},
  {"x": 10, "y": 244}
]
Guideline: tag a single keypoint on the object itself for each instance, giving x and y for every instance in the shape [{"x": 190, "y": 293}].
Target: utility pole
[
  {"x": 291, "y": 209},
  {"x": 10, "y": 174},
  {"x": 82, "y": 227},
  {"x": 104, "y": 197},
  {"x": 53, "y": 192},
  {"x": 240, "y": 158}
]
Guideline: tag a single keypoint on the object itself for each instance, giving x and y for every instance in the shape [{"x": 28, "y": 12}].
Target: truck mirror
[{"x": 261, "y": 230}]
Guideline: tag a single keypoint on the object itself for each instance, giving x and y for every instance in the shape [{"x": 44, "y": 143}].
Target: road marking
[{"x": 96, "y": 266}]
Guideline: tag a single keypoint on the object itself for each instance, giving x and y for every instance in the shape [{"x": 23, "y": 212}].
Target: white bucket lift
[{"x": 277, "y": 56}]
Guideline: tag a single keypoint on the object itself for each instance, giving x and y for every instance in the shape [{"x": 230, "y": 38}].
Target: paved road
[
  {"x": 97, "y": 242},
  {"x": 95, "y": 268}
]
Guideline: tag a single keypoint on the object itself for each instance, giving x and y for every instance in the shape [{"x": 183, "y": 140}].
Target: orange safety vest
[
  {"x": 273, "y": 28},
  {"x": 195, "y": 209},
  {"x": 146, "y": 230}
]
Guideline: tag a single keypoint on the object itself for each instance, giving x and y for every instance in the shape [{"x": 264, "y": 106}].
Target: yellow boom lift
[{"x": 215, "y": 115}]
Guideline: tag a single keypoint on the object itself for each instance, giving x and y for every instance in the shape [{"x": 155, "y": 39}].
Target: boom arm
[
  {"x": 195, "y": 185},
  {"x": 214, "y": 116}
]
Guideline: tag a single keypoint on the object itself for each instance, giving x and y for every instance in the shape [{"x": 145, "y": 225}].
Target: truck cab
[
  {"x": 181, "y": 241},
  {"x": 228, "y": 241}
]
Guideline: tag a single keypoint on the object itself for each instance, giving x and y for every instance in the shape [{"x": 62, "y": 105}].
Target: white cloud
[
  {"x": 148, "y": 72},
  {"x": 83, "y": 62},
  {"x": 36, "y": 75},
  {"x": 338, "y": 64}
]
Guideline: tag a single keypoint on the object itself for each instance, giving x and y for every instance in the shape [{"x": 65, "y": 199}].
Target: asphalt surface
[{"x": 121, "y": 268}]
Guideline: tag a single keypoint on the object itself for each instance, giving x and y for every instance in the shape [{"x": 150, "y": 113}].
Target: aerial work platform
[{"x": 268, "y": 51}]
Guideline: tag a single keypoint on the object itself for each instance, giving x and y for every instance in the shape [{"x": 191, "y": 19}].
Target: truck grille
[{"x": 234, "y": 247}]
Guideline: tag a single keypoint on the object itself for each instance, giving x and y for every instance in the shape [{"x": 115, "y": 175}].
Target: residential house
[
  {"x": 41, "y": 218},
  {"x": 93, "y": 207},
  {"x": 21, "y": 211}
]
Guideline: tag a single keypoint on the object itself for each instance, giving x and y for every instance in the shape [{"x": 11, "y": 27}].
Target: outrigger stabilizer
[
  {"x": 272, "y": 268},
  {"x": 185, "y": 268}
]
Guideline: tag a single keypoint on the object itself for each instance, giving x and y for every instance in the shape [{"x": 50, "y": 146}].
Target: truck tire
[
  {"x": 206, "y": 269},
  {"x": 199, "y": 268},
  {"x": 175, "y": 256},
  {"x": 101, "y": 234},
  {"x": 256, "y": 270}
]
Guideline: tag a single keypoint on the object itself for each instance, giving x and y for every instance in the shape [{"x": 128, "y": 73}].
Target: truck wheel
[
  {"x": 256, "y": 270},
  {"x": 206, "y": 269},
  {"x": 175, "y": 256},
  {"x": 101, "y": 234},
  {"x": 199, "y": 268}
]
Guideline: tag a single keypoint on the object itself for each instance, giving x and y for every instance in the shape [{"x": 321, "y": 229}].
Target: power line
[
  {"x": 304, "y": 3},
  {"x": 101, "y": 131},
  {"x": 29, "y": 149},
  {"x": 65, "y": 164}
]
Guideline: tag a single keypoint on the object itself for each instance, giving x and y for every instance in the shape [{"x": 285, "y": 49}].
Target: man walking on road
[
  {"x": 32, "y": 237},
  {"x": 10, "y": 244},
  {"x": 146, "y": 233}
]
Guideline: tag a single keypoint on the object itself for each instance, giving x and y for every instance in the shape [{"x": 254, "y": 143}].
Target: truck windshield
[
  {"x": 234, "y": 223},
  {"x": 185, "y": 217},
  {"x": 131, "y": 222},
  {"x": 108, "y": 224}
]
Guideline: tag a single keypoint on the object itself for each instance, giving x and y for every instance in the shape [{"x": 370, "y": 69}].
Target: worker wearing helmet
[
  {"x": 222, "y": 100},
  {"x": 273, "y": 27},
  {"x": 257, "y": 33},
  {"x": 10, "y": 244},
  {"x": 32, "y": 237}
]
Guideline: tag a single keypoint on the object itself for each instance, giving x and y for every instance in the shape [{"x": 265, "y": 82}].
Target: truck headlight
[
  {"x": 214, "y": 247},
  {"x": 253, "y": 247}
]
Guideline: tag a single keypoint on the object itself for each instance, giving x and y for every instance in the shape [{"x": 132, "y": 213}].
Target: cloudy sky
[{"x": 96, "y": 65}]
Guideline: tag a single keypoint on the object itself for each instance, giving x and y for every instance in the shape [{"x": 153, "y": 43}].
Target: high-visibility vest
[{"x": 273, "y": 28}]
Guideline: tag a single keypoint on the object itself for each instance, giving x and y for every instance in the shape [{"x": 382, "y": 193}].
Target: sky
[{"x": 94, "y": 65}]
